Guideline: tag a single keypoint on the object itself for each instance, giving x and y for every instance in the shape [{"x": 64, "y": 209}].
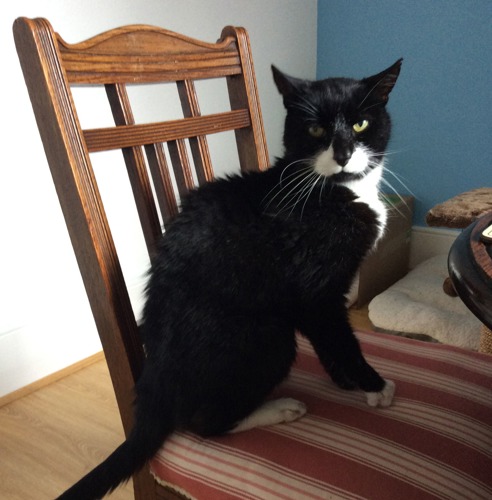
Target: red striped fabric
[{"x": 435, "y": 441}]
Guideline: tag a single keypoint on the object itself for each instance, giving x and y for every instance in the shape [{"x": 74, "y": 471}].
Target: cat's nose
[{"x": 342, "y": 156}]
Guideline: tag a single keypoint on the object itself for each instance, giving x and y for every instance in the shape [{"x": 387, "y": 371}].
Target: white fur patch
[
  {"x": 358, "y": 161},
  {"x": 271, "y": 413},
  {"x": 366, "y": 189},
  {"x": 383, "y": 398},
  {"x": 325, "y": 164}
]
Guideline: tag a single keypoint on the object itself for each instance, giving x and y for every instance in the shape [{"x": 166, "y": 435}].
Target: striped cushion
[{"x": 435, "y": 441}]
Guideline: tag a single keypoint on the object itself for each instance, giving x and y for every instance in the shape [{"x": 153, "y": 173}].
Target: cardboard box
[{"x": 389, "y": 261}]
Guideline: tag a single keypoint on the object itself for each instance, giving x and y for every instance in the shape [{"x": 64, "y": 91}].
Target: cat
[{"x": 250, "y": 260}]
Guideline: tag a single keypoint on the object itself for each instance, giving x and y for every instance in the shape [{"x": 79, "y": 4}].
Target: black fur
[{"x": 241, "y": 268}]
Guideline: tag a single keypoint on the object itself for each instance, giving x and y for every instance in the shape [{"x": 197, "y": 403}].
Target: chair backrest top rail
[
  {"x": 134, "y": 54},
  {"x": 80, "y": 74}
]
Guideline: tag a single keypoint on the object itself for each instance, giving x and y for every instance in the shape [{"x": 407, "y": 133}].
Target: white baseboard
[{"x": 426, "y": 242}]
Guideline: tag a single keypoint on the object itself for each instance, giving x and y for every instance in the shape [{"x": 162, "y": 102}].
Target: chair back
[{"x": 164, "y": 159}]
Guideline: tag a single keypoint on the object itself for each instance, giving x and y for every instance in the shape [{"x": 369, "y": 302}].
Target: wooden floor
[{"x": 52, "y": 437}]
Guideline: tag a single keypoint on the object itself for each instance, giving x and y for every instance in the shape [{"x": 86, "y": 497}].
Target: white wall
[{"x": 45, "y": 320}]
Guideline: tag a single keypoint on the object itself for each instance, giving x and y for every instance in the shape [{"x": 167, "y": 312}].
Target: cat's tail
[{"x": 141, "y": 445}]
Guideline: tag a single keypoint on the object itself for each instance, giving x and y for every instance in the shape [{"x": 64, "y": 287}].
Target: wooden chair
[
  {"x": 436, "y": 438},
  {"x": 132, "y": 55}
]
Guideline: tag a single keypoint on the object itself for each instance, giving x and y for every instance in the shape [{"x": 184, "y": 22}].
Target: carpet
[{"x": 417, "y": 306}]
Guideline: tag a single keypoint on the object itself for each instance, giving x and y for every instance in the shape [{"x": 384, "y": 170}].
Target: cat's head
[{"x": 339, "y": 125}]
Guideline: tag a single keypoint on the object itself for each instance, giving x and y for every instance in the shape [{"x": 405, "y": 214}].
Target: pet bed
[{"x": 416, "y": 305}]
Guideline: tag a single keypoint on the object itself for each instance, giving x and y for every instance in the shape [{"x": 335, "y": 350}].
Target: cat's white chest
[{"x": 367, "y": 191}]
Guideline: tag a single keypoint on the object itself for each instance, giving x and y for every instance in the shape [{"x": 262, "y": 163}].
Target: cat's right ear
[
  {"x": 287, "y": 85},
  {"x": 382, "y": 84}
]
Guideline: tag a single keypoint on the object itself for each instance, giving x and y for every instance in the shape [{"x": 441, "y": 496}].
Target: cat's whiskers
[
  {"x": 309, "y": 102},
  {"x": 282, "y": 178},
  {"x": 305, "y": 105},
  {"x": 298, "y": 176},
  {"x": 380, "y": 162},
  {"x": 309, "y": 193},
  {"x": 306, "y": 187},
  {"x": 322, "y": 189},
  {"x": 398, "y": 178},
  {"x": 384, "y": 181},
  {"x": 388, "y": 184},
  {"x": 291, "y": 199},
  {"x": 279, "y": 184}
]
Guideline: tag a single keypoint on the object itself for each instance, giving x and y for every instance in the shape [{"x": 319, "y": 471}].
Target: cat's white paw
[
  {"x": 273, "y": 412},
  {"x": 286, "y": 409},
  {"x": 383, "y": 398}
]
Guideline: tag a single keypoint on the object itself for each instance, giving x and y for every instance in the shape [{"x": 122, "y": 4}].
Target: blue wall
[{"x": 442, "y": 104}]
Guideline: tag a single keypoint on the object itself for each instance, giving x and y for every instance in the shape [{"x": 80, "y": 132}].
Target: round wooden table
[{"x": 470, "y": 269}]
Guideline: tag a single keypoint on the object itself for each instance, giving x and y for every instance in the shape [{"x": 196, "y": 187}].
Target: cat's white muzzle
[{"x": 325, "y": 163}]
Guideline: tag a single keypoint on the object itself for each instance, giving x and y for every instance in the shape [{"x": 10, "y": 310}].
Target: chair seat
[{"x": 435, "y": 441}]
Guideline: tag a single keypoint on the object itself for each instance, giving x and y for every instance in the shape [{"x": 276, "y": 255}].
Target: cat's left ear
[
  {"x": 287, "y": 85},
  {"x": 382, "y": 84}
]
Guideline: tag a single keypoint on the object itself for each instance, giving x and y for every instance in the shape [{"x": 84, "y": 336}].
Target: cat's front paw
[{"x": 382, "y": 398}]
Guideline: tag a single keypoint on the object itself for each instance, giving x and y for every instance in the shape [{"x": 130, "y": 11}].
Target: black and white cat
[{"x": 250, "y": 260}]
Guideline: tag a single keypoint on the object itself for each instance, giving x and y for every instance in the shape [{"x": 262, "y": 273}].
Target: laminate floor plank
[{"x": 51, "y": 438}]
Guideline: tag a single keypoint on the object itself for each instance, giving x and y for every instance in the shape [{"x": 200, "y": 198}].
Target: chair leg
[{"x": 144, "y": 485}]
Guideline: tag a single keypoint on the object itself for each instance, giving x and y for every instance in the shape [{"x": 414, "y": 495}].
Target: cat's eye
[
  {"x": 360, "y": 126},
  {"x": 316, "y": 131}
]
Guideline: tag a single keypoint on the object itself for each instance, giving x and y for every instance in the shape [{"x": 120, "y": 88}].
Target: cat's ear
[
  {"x": 382, "y": 84},
  {"x": 287, "y": 85}
]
